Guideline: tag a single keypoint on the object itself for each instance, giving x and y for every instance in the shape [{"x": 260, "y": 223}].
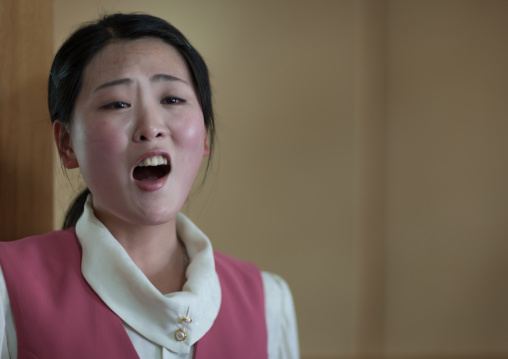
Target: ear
[
  {"x": 206, "y": 151},
  {"x": 64, "y": 145}
]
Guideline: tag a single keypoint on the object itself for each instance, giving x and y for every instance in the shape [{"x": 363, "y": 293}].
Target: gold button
[
  {"x": 186, "y": 320},
  {"x": 180, "y": 335}
]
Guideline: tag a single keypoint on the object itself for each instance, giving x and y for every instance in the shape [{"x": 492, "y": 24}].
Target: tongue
[{"x": 150, "y": 173}]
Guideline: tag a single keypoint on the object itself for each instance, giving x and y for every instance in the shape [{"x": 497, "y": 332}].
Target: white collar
[{"x": 112, "y": 274}]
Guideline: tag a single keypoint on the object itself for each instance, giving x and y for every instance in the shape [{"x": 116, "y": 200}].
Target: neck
[{"x": 157, "y": 251}]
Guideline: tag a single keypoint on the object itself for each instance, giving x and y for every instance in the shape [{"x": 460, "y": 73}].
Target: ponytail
[{"x": 75, "y": 210}]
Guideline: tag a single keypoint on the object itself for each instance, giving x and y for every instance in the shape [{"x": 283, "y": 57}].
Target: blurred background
[{"x": 361, "y": 156}]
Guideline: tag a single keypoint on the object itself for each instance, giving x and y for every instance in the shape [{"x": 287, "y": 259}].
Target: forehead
[{"x": 127, "y": 58}]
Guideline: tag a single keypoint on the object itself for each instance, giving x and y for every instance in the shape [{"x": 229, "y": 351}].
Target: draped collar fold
[{"x": 124, "y": 288}]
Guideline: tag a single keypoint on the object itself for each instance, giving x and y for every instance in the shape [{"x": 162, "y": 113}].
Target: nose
[{"x": 149, "y": 126}]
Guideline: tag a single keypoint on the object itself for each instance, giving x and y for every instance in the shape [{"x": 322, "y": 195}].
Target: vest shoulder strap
[{"x": 240, "y": 328}]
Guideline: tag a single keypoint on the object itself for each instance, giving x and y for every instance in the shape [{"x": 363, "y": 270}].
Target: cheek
[
  {"x": 97, "y": 145},
  {"x": 191, "y": 135},
  {"x": 190, "y": 144}
]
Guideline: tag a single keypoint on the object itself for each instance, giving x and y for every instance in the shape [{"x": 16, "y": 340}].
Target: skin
[{"x": 138, "y": 100}]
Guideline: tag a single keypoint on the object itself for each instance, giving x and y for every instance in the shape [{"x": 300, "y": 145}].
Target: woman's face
[{"x": 138, "y": 133}]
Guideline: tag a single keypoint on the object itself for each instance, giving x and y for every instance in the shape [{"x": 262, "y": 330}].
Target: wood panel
[{"x": 26, "y": 35}]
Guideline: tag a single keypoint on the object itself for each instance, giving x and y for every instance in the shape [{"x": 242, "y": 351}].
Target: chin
[{"x": 156, "y": 218}]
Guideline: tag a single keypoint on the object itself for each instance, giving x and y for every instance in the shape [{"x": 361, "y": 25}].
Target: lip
[{"x": 150, "y": 186}]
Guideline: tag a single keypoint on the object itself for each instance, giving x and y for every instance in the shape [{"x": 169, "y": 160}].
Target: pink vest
[{"x": 58, "y": 315}]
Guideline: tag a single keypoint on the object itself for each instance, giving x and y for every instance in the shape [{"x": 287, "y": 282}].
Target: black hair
[{"x": 66, "y": 76}]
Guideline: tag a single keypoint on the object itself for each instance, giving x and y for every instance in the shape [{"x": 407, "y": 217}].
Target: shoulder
[
  {"x": 239, "y": 277},
  {"x": 274, "y": 294},
  {"x": 41, "y": 240},
  {"x": 276, "y": 291},
  {"x": 50, "y": 250},
  {"x": 275, "y": 286},
  {"x": 278, "y": 296},
  {"x": 19, "y": 260},
  {"x": 243, "y": 267}
]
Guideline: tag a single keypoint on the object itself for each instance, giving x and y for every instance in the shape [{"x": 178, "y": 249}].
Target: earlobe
[
  {"x": 206, "y": 151},
  {"x": 64, "y": 146}
]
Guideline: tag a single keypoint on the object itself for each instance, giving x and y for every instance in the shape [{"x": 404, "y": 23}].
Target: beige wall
[
  {"x": 359, "y": 156},
  {"x": 447, "y": 196}
]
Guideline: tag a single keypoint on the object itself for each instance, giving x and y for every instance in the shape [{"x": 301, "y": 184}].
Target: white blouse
[{"x": 151, "y": 318}]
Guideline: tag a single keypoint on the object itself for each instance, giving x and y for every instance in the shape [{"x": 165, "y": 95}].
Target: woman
[{"x": 130, "y": 276}]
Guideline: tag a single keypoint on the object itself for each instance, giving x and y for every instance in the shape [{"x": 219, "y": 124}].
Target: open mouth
[{"x": 151, "y": 169}]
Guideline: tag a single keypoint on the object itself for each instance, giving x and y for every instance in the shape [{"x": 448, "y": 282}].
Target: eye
[
  {"x": 171, "y": 100},
  {"x": 117, "y": 105}
]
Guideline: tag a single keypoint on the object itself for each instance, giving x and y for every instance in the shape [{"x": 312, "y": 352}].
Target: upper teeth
[{"x": 153, "y": 161}]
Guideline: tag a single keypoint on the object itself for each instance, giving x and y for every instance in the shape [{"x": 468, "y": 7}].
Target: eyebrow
[
  {"x": 166, "y": 77},
  {"x": 125, "y": 81},
  {"x": 128, "y": 81}
]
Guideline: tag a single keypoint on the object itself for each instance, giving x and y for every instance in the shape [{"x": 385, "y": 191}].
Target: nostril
[{"x": 149, "y": 133}]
